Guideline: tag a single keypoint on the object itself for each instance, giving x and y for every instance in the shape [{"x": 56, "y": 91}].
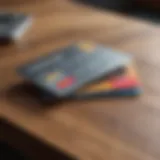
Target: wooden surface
[{"x": 100, "y": 129}]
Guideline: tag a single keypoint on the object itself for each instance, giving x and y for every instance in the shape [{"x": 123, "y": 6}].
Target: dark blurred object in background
[
  {"x": 110, "y": 4},
  {"x": 7, "y": 153},
  {"x": 152, "y": 4},
  {"x": 145, "y": 9}
]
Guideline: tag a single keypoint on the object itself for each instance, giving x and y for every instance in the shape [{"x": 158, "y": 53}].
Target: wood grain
[{"x": 98, "y": 129}]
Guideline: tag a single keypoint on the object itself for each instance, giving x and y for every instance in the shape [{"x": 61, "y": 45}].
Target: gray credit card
[{"x": 63, "y": 72}]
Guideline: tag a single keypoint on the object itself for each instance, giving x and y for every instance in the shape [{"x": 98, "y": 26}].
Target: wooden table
[{"x": 99, "y": 129}]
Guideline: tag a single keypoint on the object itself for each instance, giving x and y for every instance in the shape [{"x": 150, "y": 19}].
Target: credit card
[
  {"x": 63, "y": 72},
  {"x": 123, "y": 83},
  {"x": 127, "y": 92},
  {"x": 13, "y": 25},
  {"x": 46, "y": 98},
  {"x": 127, "y": 80}
]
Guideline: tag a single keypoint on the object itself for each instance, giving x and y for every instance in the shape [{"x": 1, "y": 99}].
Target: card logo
[{"x": 87, "y": 47}]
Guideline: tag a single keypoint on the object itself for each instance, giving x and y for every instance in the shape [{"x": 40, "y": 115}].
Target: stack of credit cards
[
  {"x": 83, "y": 70},
  {"x": 13, "y": 26}
]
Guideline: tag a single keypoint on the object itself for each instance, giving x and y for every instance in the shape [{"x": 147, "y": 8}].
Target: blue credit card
[{"x": 63, "y": 72}]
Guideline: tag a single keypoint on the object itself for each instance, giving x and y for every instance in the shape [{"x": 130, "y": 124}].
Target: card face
[
  {"x": 63, "y": 72},
  {"x": 114, "y": 84},
  {"x": 12, "y": 26}
]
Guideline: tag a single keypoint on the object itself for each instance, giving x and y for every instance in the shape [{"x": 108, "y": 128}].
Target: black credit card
[
  {"x": 13, "y": 25},
  {"x": 63, "y": 72}
]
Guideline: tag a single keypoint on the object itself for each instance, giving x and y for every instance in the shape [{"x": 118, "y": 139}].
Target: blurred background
[
  {"x": 144, "y": 9},
  {"x": 148, "y": 10}
]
